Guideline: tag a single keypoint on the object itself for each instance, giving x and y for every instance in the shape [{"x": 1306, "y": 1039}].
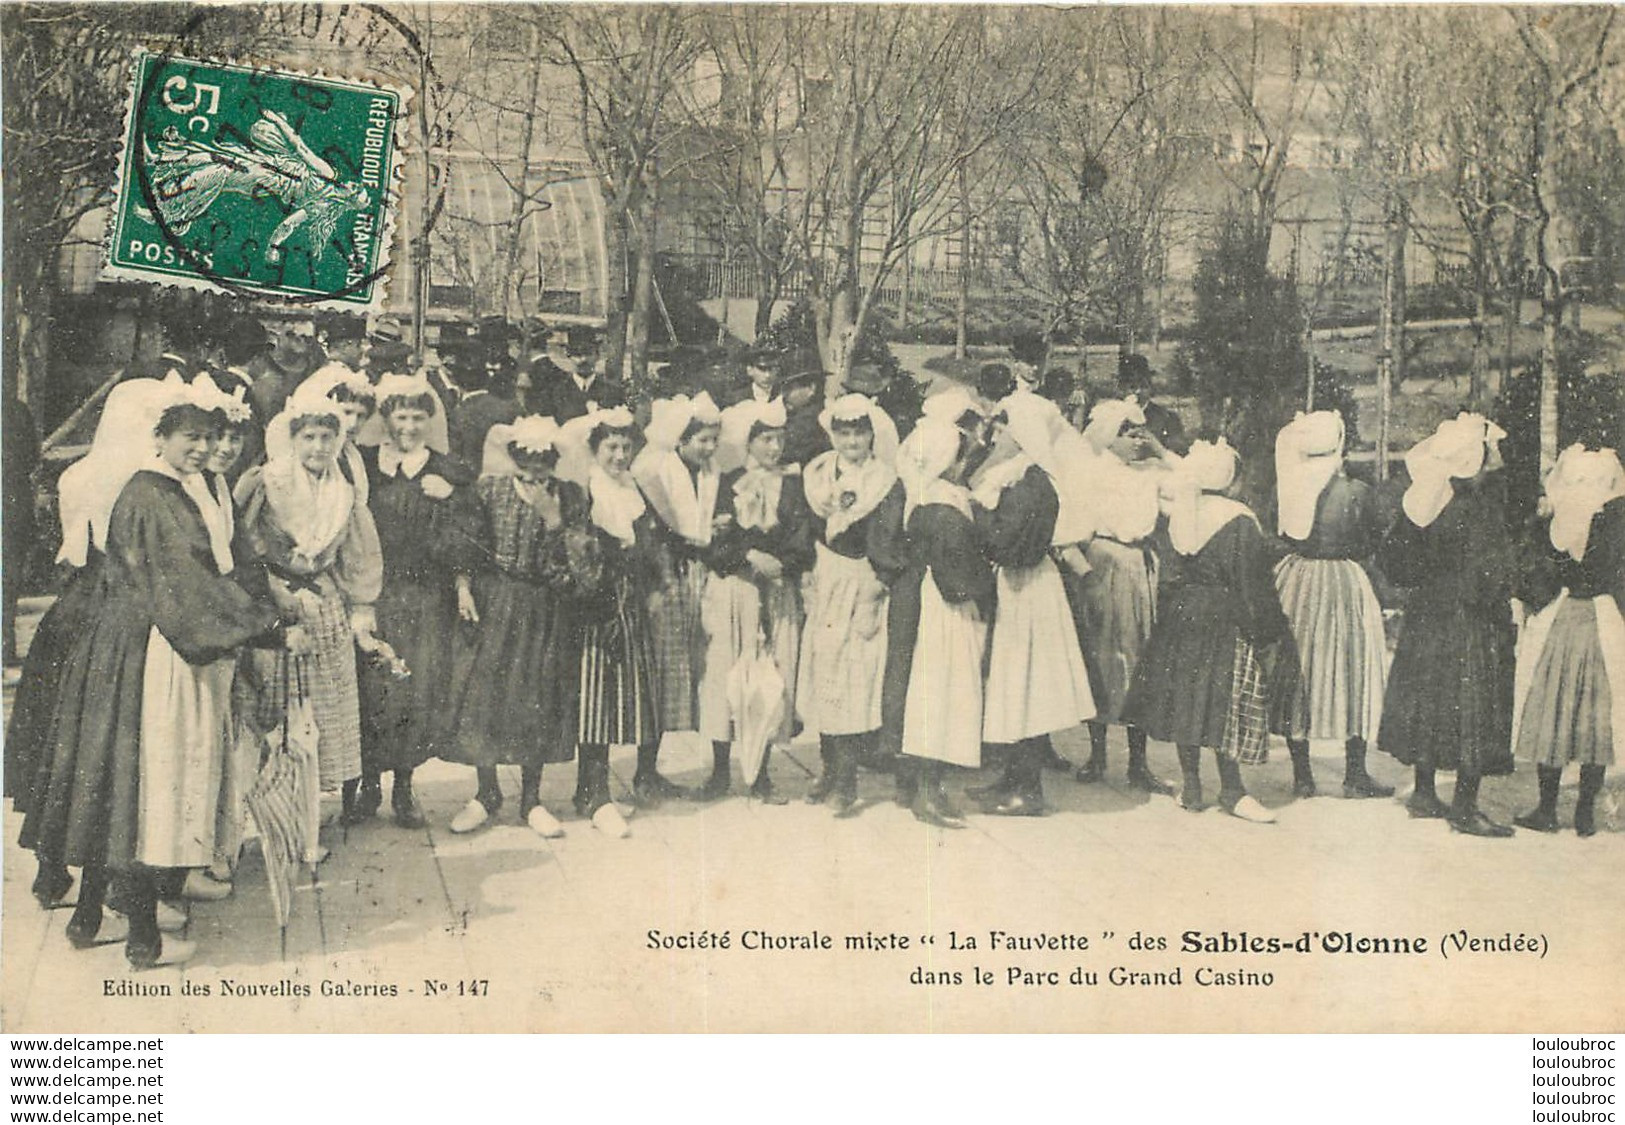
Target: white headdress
[
  {"x": 1308, "y": 454},
  {"x": 849, "y": 408},
  {"x": 737, "y": 422},
  {"x": 1107, "y": 419},
  {"x": 669, "y": 417},
  {"x": 375, "y": 430},
  {"x": 122, "y": 445},
  {"x": 1454, "y": 451},
  {"x": 532, "y": 433},
  {"x": 1578, "y": 486},
  {"x": 928, "y": 452},
  {"x": 1198, "y": 511},
  {"x": 952, "y": 404},
  {"x": 208, "y": 395}
]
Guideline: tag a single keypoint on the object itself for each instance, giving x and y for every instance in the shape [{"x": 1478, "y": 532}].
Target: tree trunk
[
  {"x": 962, "y": 305},
  {"x": 643, "y": 284},
  {"x": 1479, "y": 376},
  {"x": 1391, "y": 356},
  {"x": 767, "y": 295},
  {"x": 615, "y": 290}
]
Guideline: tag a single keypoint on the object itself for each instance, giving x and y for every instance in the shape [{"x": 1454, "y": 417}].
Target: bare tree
[
  {"x": 897, "y": 104},
  {"x": 1567, "y": 49},
  {"x": 629, "y": 64}
]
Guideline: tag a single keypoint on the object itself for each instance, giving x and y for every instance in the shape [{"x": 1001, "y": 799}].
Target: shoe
[
  {"x": 1250, "y": 810},
  {"x": 470, "y": 817},
  {"x": 1090, "y": 773},
  {"x": 652, "y": 788},
  {"x": 823, "y": 787},
  {"x": 1364, "y": 785},
  {"x": 1147, "y": 782},
  {"x": 1304, "y": 788},
  {"x": 1427, "y": 808},
  {"x": 200, "y": 888},
  {"x": 170, "y": 951},
  {"x": 108, "y": 928},
  {"x": 1052, "y": 759},
  {"x": 1537, "y": 820},
  {"x": 407, "y": 812},
  {"x": 544, "y": 823},
  {"x": 1015, "y": 805},
  {"x": 715, "y": 788},
  {"x": 1585, "y": 821},
  {"x": 1476, "y": 823},
  {"x": 764, "y": 792},
  {"x": 51, "y": 887},
  {"x": 845, "y": 805},
  {"x": 608, "y": 820},
  {"x": 934, "y": 809},
  {"x": 1190, "y": 799},
  {"x": 172, "y": 919},
  {"x": 998, "y": 791},
  {"x": 369, "y": 798}
]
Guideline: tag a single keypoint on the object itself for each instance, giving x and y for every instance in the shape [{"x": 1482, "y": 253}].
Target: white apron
[
  {"x": 1610, "y": 636},
  {"x": 942, "y": 720},
  {"x": 843, "y": 647},
  {"x": 185, "y": 727},
  {"x": 1037, "y": 682}
]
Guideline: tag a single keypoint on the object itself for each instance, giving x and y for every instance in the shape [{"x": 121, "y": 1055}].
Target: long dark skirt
[
  {"x": 35, "y": 701},
  {"x": 405, "y": 722},
  {"x": 1449, "y": 696},
  {"x": 1184, "y": 688},
  {"x": 84, "y": 803},
  {"x": 618, "y": 702},
  {"x": 519, "y": 698}
]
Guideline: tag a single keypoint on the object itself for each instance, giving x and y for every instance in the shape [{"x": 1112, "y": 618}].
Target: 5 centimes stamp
[{"x": 267, "y": 182}]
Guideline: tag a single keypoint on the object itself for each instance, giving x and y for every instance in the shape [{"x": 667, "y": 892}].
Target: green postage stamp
[{"x": 260, "y": 181}]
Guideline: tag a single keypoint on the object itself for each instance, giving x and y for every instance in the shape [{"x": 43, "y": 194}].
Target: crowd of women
[{"x": 926, "y": 604}]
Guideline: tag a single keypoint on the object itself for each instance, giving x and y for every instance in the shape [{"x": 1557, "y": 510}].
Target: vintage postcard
[{"x": 813, "y": 518}]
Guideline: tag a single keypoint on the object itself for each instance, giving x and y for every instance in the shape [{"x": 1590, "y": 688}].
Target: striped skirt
[
  {"x": 843, "y": 647},
  {"x": 1336, "y": 691},
  {"x": 1567, "y": 705},
  {"x": 327, "y": 678},
  {"x": 617, "y": 700}
]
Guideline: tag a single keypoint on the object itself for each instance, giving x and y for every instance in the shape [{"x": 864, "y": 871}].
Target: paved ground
[{"x": 554, "y": 935}]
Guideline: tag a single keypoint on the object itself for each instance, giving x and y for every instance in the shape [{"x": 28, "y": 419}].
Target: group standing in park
[{"x": 419, "y": 565}]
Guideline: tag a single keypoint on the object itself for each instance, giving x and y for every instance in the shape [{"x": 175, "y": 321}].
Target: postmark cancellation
[{"x": 267, "y": 182}]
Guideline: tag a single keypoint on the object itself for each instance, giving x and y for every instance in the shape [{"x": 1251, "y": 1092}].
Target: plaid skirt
[
  {"x": 679, "y": 646},
  {"x": 1247, "y": 729},
  {"x": 327, "y": 678}
]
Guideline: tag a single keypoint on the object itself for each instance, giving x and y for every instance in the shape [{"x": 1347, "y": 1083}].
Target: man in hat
[
  {"x": 804, "y": 436},
  {"x": 761, "y": 382},
  {"x": 579, "y": 386},
  {"x": 898, "y": 395},
  {"x": 342, "y": 339},
  {"x": 387, "y": 350},
  {"x": 490, "y": 398},
  {"x": 1134, "y": 379}
]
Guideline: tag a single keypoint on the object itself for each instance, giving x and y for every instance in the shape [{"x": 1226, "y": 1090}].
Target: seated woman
[
  {"x": 309, "y": 526},
  {"x": 1202, "y": 679},
  {"x": 518, "y": 702},
  {"x": 137, "y": 735},
  {"x": 424, "y": 511}
]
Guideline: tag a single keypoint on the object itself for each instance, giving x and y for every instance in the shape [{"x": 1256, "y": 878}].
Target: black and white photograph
[{"x": 835, "y": 518}]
